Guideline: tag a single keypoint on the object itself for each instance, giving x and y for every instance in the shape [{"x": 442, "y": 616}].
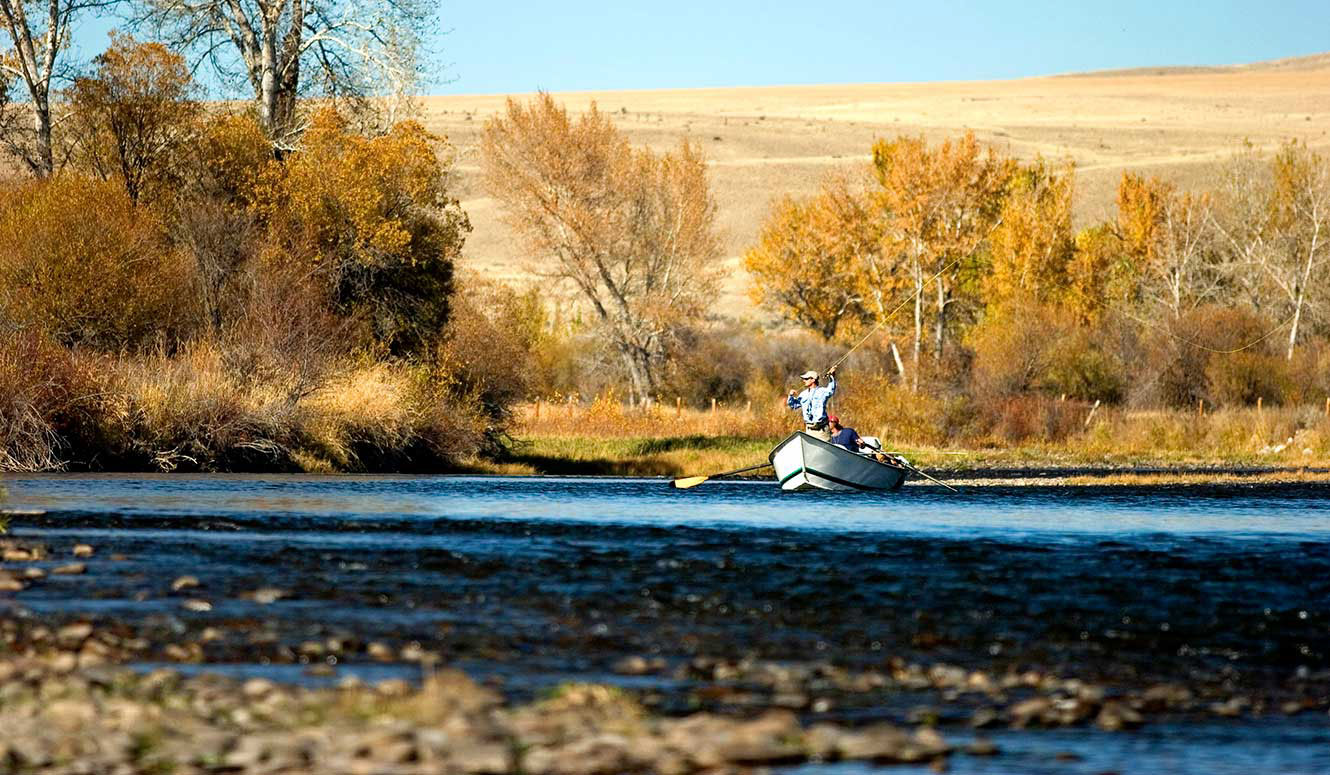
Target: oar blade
[{"x": 689, "y": 481}]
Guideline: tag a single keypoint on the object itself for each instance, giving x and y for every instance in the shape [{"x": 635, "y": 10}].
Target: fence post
[
  {"x": 1090, "y": 416},
  {"x": 1258, "y": 403},
  {"x": 1327, "y": 406},
  {"x": 713, "y": 406},
  {"x": 748, "y": 407},
  {"x": 537, "y": 408},
  {"x": 678, "y": 407},
  {"x": 1200, "y": 407}
]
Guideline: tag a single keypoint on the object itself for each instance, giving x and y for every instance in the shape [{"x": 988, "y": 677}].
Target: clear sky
[{"x": 504, "y": 46}]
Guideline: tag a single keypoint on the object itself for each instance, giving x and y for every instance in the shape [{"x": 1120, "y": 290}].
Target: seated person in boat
[
  {"x": 812, "y": 402},
  {"x": 842, "y": 436}
]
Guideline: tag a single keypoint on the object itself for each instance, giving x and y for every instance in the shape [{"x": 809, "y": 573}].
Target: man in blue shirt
[
  {"x": 812, "y": 402},
  {"x": 842, "y": 436}
]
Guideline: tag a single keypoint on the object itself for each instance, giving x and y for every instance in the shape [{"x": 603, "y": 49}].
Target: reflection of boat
[{"x": 804, "y": 462}]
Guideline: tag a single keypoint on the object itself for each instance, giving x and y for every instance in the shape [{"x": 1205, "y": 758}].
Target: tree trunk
[
  {"x": 1293, "y": 329},
  {"x": 1301, "y": 296},
  {"x": 918, "y": 322},
  {"x": 43, "y": 161},
  {"x": 940, "y": 331},
  {"x": 640, "y": 377},
  {"x": 900, "y": 366},
  {"x": 268, "y": 94}
]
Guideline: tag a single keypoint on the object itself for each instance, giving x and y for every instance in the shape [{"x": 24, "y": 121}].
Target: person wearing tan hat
[{"x": 812, "y": 402}]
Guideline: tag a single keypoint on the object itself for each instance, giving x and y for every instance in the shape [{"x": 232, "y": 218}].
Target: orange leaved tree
[
  {"x": 940, "y": 204},
  {"x": 810, "y": 255},
  {"x": 81, "y": 264},
  {"x": 133, "y": 116},
  {"x": 373, "y": 218},
  {"x": 631, "y": 230}
]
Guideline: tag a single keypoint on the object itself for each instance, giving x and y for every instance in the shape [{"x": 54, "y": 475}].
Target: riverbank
[
  {"x": 671, "y": 457},
  {"x": 1105, "y": 445}
]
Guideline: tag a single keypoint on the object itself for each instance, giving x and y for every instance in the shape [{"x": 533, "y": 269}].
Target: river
[{"x": 529, "y": 582}]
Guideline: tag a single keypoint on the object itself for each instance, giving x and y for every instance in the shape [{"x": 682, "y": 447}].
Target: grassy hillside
[{"x": 767, "y": 141}]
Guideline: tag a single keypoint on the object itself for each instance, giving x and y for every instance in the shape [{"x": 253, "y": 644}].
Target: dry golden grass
[
  {"x": 606, "y": 438},
  {"x": 367, "y": 406},
  {"x": 763, "y": 142}
]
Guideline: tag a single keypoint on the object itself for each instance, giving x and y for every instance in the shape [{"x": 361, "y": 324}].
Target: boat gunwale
[{"x": 771, "y": 456}]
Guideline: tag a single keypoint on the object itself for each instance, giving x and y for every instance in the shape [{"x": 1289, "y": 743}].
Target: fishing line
[
  {"x": 893, "y": 312},
  {"x": 1199, "y": 346}
]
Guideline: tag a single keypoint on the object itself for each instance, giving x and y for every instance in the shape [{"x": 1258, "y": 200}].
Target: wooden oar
[
  {"x": 693, "y": 481},
  {"x": 897, "y": 459}
]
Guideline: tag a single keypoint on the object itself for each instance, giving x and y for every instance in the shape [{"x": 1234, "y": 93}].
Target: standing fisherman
[{"x": 812, "y": 403}]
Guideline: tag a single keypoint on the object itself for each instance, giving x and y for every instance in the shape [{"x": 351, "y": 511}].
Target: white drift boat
[{"x": 804, "y": 462}]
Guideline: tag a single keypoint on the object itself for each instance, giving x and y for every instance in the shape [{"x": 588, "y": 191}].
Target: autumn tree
[
  {"x": 284, "y": 49},
  {"x": 1168, "y": 239},
  {"x": 1032, "y": 249},
  {"x": 940, "y": 205},
  {"x": 81, "y": 264},
  {"x": 1272, "y": 218},
  {"x": 373, "y": 219},
  {"x": 810, "y": 255},
  {"x": 632, "y": 231},
  {"x": 1098, "y": 277},
  {"x": 133, "y": 116},
  {"x": 39, "y": 36},
  {"x": 1300, "y": 205}
]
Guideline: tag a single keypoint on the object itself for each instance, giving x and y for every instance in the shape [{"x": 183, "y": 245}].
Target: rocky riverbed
[
  {"x": 219, "y": 639},
  {"x": 71, "y": 701}
]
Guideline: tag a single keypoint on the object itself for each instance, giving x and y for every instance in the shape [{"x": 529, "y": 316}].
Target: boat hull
[{"x": 804, "y": 462}]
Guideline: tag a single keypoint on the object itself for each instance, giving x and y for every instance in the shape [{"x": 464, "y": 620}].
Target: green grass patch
[{"x": 669, "y": 456}]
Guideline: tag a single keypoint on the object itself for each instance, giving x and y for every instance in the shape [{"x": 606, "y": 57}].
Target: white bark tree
[
  {"x": 38, "y": 35},
  {"x": 1275, "y": 225},
  {"x": 284, "y": 49}
]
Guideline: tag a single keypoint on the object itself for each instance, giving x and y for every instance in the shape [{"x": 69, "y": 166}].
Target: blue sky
[{"x": 520, "y": 46}]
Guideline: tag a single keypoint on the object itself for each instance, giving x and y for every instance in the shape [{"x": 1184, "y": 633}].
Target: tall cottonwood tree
[
  {"x": 1168, "y": 238},
  {"x": 1272, "y": 218},
  {"x": 1300, "y": 203},
  {"x": 631, "y": 230},
  {"x": 940, "y": 204},
  {"x": 810, "y": 255},
  {"x": 1032, "y": 249},
  {"x": 284, "y": 49},
  {"x": 38, "y": 35}
]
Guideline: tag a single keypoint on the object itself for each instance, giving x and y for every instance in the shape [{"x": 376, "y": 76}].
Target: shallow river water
[{"x": 528, "y": 582}]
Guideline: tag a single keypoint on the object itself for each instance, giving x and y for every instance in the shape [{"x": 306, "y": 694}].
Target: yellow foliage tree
[
  {"x": 374, "y": 219},
  {"x": 232, "y": 156},
  {"x": 632, "y": 231},
  {"x": 940, "y": 203},
  {"x": 810, "y": 257},
  {"x": 133, "y": 116},
  {"x": 1095, "y": 275},
  {"x": 1033, "y": 248}
]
